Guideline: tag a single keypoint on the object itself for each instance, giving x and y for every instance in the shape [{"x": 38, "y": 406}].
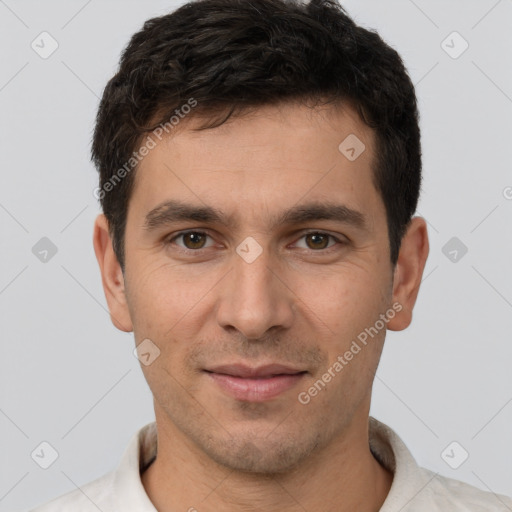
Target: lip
[
  {"x": 255, "y": 384},
  {"x": 242, "y": 370}
]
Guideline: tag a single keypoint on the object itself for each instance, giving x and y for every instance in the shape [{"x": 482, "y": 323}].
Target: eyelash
[{"x": 313, "y": 232}]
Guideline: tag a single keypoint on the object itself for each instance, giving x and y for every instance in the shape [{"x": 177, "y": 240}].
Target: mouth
[{"x": 258, "y": 384}]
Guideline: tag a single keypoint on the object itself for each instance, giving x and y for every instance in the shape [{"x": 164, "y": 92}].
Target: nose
[{"x": 255, "y": 297}]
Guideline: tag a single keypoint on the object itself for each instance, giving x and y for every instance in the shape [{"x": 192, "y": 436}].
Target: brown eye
[
  {"x": 317, "y": 240},
  {"x": 194, "y": 240},
  {"x": 191, "y": 240}
]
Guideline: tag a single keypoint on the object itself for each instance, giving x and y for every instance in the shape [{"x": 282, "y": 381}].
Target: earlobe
[
  {"x": 409, "y": 271},
  {"x": 111, "y": 275}
]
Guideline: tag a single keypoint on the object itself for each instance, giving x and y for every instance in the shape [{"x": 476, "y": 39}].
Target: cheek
[
  {"x": 170, "y": 305},
  {"x": 164, "y": 294},
  {"x": 344, "y": 302}
]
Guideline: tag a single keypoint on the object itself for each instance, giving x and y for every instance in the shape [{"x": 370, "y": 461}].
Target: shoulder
[
  {"x": 118, "y": 490},
  {"x": 91, "y": 497},
  {"x": 445, "y": 493},
  {"x": 417, "y": 489}
]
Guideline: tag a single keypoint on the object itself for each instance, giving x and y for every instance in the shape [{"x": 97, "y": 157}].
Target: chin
[{"x": 261, "y": 456}]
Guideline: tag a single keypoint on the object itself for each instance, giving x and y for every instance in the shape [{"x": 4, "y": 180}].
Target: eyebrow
[{"x": 177, "y": 211}]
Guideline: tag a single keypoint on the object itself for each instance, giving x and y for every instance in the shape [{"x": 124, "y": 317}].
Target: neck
[{"x": 343, "y": 477}]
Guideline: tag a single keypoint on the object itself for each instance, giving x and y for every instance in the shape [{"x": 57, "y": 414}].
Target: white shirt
[{"x": 414, "y": 489}]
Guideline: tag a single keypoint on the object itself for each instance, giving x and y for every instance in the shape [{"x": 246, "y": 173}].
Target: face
[{"x": 257, "y": 254}]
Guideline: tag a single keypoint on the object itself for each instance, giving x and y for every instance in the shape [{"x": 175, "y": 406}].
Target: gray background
[{"x": 68, "y": 377}]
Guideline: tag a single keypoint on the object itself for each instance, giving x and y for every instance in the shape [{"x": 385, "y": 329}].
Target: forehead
[
  {"x": 299, "y": 130},
  {"x": 262, "y": 159}
]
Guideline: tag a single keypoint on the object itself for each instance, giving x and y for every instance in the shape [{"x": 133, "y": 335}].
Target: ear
[
  {"x": 409, "y": 271},
  {"x": 111, "y": 276}
]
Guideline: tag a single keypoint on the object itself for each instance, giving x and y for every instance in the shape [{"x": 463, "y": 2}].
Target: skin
[{"x": 299, "y": 303}]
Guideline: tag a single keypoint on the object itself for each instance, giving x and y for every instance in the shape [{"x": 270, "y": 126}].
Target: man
[{"x": 260, "y": 166}]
